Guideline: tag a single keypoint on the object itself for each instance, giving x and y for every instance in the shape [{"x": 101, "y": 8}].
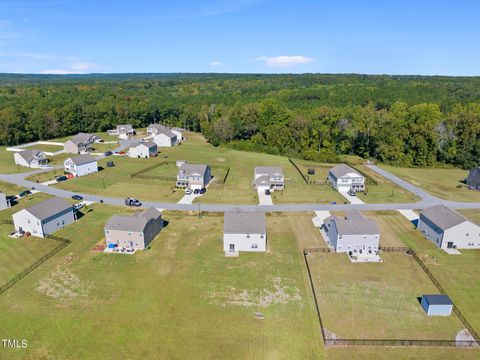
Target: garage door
[{"x": 343, "y": 188}]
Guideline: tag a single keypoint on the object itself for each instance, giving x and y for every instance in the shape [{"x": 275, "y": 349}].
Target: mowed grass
[
  {"x": 181, "y": 299},
  {"x": 377, "y": 300},
  {"x": 440, "y": 182},
  {"x": 45, "y": 147},
  {"x": 17, "y": 254}
]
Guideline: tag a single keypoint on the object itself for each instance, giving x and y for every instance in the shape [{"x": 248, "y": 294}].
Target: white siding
[
  {"x": 25, "y": 221},
  {"x": 245, "y": 242},
  {"x": 464, "y": 236},
  {"x": 81, "y": 170},
  {"x": 139, "y": 151},
  {"x": 163, "y": 140}
]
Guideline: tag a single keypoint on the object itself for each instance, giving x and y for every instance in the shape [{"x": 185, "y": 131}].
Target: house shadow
[
  {"x": 165, "y": 223},
  {"x": 419, "y": 299},
  {"x": 12, "y": 200},
  {"x": 415, "y": 223},
  {"x": 79, "y": 214},
  {"x": 101, "y": 168}
]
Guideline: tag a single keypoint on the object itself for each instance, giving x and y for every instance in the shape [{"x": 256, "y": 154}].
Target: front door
[
  {"x": 449, "y": 244},
  {"x": 232, "y": 247}
]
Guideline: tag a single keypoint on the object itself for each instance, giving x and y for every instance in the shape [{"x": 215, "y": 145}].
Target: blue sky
[{"x": 259, "y": 36}]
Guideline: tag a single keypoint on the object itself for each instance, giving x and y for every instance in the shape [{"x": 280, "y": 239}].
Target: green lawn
[
  {"x": 181, "y": 299},
  {"x": 45, "y": 147},
  {"x": 377, "y": 300},
  {"x": 440, "y": 182},
  {"x": 18, "y": 254}
]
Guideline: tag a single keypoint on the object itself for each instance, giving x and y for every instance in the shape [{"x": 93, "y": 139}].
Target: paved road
[{"x": 427, "y": 199}]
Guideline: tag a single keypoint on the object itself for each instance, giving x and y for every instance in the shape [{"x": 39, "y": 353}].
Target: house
[
  {"x": 81, "y": 165},
  {"x": 352, "y": 234},
  {"x": 80, "y": 143},
  {"x": 448, "y": 229},
  {"x": 135, "y": 232},
  {"x": 143, "y": 150},
  {"x": 473, "y": 179},
  {"x": 44, "y": 218},
  {"x": 154, "y": 129},
  {"x": 343, "y": 178},
  {"x": 178, "y": 133},
  {"x": 165, "y": 138},
  {"x": 269, "y": 177},
  {"x": 4, "y": 201},
  {"x": 31, "y": 158},
  {"x": 437, "y": 305},
  {"x": 122, "y": 131},
  {"x": 193, "y": 176},
  {"x": 244, "y": 231}
]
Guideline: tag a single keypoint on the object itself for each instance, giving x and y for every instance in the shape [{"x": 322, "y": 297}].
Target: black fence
[
  {"x": 62, "y": 244},
  {"x": 144, "y": 170},
  {"x": 394, "y": 342},
  {"x": 299, "y": 171}
]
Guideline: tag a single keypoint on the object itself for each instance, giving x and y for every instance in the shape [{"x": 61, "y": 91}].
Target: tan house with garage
[
  {"x": 193, "y": 176},
  {"x": 269, "y": 177},
  {"x": 136, "y": 231}
]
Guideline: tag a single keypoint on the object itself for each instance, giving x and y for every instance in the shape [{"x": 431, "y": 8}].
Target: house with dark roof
[
  {"x": 437, "y": 305},
  {"x": 122, "y": 131},
  {"x": 81, "y": 165},
  {"x": 268, "y": 177},
  {"x": 143, "y": 150},
  {"x": 473, "y": 179},
  {"x": 344, "y": 178},
  {"x": 154, "y": 129},
  {"x": 244, "y": 231},
  {"x": 352, "y": 234},
  {"x": 80, "y": 143},
  {"x": 165, "y": 138},
  {"x": 31, "y": 158},
  {"x": 44, "y": 218},
  {"x": 193, "y": 176},
  {"x": 448, "y": 229},
  {"x": 178, "y": 133},
  {"x": 136, "y": 231},
  {"x": 4, "y": 201}
]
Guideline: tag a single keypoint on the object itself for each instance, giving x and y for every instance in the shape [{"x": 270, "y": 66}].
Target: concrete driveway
[
  {"x": 188, "y": 199},
  {"x": 264, "y": 199},
  {"x": 351, "y": 199}
]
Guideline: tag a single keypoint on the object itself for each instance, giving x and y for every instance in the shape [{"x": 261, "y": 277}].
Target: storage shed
[{"x": 437, "y": 305}]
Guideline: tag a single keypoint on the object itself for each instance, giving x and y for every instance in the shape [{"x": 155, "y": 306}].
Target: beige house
[
  {"x": 31, "y": 158},
  {"x": 136, "y": 231},
  {"x": 80, "y": 143},
  {"x": 269, "y": 178}
]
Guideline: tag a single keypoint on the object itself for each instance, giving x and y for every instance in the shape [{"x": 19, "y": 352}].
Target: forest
[{"x": 400, "y": 120}]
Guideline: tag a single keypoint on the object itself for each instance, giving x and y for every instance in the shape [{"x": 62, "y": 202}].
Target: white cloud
[
  {"x": 216, "y": 63},
  {"x": 82, "y": 67},
  {"x": 285, "y": 60}
]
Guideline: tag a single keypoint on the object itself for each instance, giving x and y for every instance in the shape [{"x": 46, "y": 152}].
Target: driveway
[
  {"x": 351, "y": 199},
  {"x": 264, "y": 199},
  {"x": 188, "y": 199}
]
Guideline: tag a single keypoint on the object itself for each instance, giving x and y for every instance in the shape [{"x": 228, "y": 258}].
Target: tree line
[{"x": 401, "y": 120}]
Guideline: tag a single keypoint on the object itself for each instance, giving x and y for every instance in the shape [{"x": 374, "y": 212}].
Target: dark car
[
  {"x": 108, "y": 153},
  {"x": 203, "y": 191},
  {"x": 77, "y": 197},
  {"x": 351, "y": 193},
  {"x": 24, "y": 193},
  {"x": 196, "y": 191},
  {"x": 132, "y": 202},
  {"x": 61, "y": 178},
  {"x": 267, "y": 192}
]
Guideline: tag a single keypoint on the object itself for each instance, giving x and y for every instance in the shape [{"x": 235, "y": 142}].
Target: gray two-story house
[
  {"x": 269, "y": 177},
  {"x": 193, "y": 176}
]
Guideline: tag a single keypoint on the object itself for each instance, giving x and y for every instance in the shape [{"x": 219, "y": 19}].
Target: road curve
[{"x": 427, "y": 199}]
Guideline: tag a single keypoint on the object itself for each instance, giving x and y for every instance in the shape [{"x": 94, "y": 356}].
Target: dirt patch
[
  {"x": 63, "y": 285},
  {"x": 280, "y": 294},
  {"x": 464, "y": 335},
  {"x": 330, "y": 334},
  {"x": 221, "y": 159},
  {"x": 68, "y": 259}
]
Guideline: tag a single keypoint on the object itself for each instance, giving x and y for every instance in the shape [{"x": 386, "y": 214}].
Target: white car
[{"x": 188, "y": 191}]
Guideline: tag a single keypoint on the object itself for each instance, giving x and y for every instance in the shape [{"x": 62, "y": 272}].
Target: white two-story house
[
  {"x": 269, "y": 177},
  {"x": 343, "y": 178},
  {"x": 244, "y": 231},
  {"x": 193, "y": 176},
  {"x": 31, "y": 158},
  {"x": 81, "y": 165}
]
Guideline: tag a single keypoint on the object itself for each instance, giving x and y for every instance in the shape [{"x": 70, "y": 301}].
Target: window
[
  {"x": 129, "y": 233},
  {"x": 28, "y": 221},
  {"x": 254, "y": 246},
  {"x": 108, "y": 232},
  {"x": 248, "y": 236},
  {"x": 261, "y": 236}
]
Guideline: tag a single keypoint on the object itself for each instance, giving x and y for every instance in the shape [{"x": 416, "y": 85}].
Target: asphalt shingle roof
[
  {"x": 49, "y": 208},
  {"x": 437, "y": 299},
  {"x": 342, "y": 170},
  {"x": 443, "y": 217},
  {"x": 238, "y": 222},
  {"x": 83, "y": 159},
  {"x": 135, "y": 223},
  {"x": 268, "y": 170}
]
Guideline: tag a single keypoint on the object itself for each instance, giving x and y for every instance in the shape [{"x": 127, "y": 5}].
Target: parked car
[
  {"x": 77, "y": 197},
  {"x": 24, "y": 193},
  {"x": 267, "y": 192},
  {"x": 132, "y": 202},
  {"x": 61, "y": 178},
  {"x": 203, "y": 191},
  {"x": 188, "y": 191},
  {"x": 108, "y": 153},
  {"x": 196, "y": 191},
  {"x": 351, "y": 193},
  {"x": 77, "y": 207}
]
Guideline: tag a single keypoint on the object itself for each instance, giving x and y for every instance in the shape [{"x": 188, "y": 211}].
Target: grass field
[
  {"x": 377, "y": 300},
  {"x": 45, "y": 147},
  {"x": 439, "y": 182},
  {"x": 181, "y": 299},
  {"x": 18, "y": 254}
]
